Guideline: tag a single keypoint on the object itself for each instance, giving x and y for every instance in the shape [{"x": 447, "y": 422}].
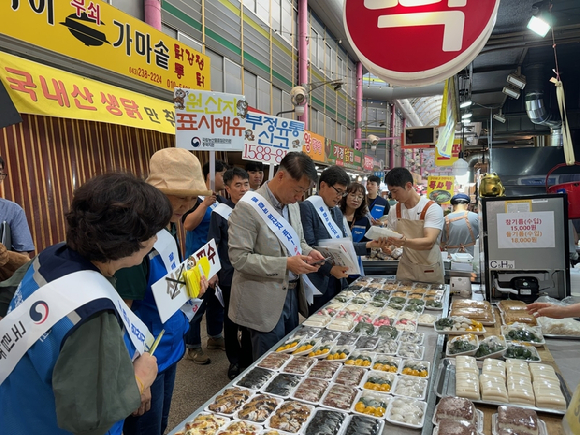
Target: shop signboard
[
  {"x": 368, "y": 163},
  {"x": 209, "y": 121},
  {"x": 38, "y": 89},
  {"x": 269, "y": 138},
  {"x": 95, "y": 32},
  {"x": 314, "y": 146},
  {"x": 431, "y": 40},
  {"x": 440, "y": 188},
  {"x": 448, "y": 161},
  {"x": 341, "y": 155}
]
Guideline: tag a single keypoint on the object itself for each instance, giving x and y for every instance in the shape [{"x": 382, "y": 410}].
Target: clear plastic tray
[
  {"x": 470, "y": 337},
  {"x": 411, "y": 386},
  {"x": 537, "y": 330},
  {"x": 289, "y": 345},
  {"x": 253, "y": 382},
  {"x": 410, "y": 351},
  {"x": 421, "y": 321},
  {"x": 497, "y": 354},
  {"x": 305, "y": 347},
  {"x": 372, "y": 375},
  {"x": 274, "y": 360},
  {"x": 282, "y": 385},
  {"x": 324, "y": 369},
  {"x": 387, "y": 346},
  {"x": 404, "y": 404},
  {"x": 406, "y": 325},
  {"x": 346, "y": 339},
  {"x": 367, "y": 342},
  {"x": 293, "y": 367},
  {"x": 542, "y": 429},
  {"x": 322, "y": 350},
  {"x": 374, "y": 403},
  {"x": 532, "y": 349},
  {"x": 251, "y": 428},
  {"x": 477, "y": 332},
  {"x": 338, "y": 350}
]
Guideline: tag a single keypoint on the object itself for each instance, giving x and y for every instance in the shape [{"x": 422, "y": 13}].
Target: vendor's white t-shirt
[{"x": 433, "y": 218}]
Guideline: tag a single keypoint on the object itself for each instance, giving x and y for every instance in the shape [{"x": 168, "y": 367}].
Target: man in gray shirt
[
  {"x": 461, "y": 228},
  {"x": 15, "y": 218}
]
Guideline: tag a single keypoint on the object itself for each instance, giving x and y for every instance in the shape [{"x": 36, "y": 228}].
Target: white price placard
[
  {"x": 269, "y": 138},
  {"x": 209, "y": 121},
  {"x": 526, "y": 230}
]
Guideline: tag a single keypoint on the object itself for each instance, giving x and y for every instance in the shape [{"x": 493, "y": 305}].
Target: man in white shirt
[{"x": 420, "y": 221}]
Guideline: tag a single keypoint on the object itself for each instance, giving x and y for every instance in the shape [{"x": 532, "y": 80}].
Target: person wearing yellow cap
[
  {"x": 461, "y": 228},
  {"x": 177, "y": 173}
]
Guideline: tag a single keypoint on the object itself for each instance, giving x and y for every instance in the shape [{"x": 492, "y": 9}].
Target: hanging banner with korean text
[
  {"x": 269, "y": 138},
  {"x": 432, "y": 39},
  {"x": 526, "y": 230},
  {"x": 448, "y": 161},
  {"x": 440, "y": 188},
  {"x": 341, "y": 155},
  {"x": 314, "y": 146},
  {"x": 170, "y": 292},
  {"x": 95, "y": 32},
  {"x": 209, "y": 121},
  {"x": 38, "y": 89},
  {"x": 447, "y": 119}
]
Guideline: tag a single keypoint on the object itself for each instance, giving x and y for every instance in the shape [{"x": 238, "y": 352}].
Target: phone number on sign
[
  {"x": 264, "y": 154},
  {"x": 140, "y": 72}
]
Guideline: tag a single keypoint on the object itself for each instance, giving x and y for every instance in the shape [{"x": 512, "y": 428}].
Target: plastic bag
[
  {"x": 376, "y": 232},
  {"x": 549, "y": 300}
]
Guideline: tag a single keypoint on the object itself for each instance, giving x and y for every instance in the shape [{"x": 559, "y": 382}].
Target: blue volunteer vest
[
  {"x": 171, "y": 348},
  {"x": 27, "y": 403}
]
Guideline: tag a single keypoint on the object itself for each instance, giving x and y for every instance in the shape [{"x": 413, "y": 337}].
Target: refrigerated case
[{"x": 525, "y": 242}]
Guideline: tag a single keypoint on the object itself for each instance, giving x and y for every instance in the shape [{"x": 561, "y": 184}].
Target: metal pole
[
  {"x": 402, "y": 149},
  {"x": 303, "y": 52},
  {"x": 212, "y": 170},
  {"x": 392, "y": 159},
  {"x": 490, "y": 140},
  {"x": 271, "y": 171},
  {"x": 359, "y": 97}
]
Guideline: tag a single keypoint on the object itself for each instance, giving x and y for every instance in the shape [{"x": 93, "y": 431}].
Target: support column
[
  {"x": 359, "y": 92},
  {"x": 303, "y": 53},
  {"x": 392, "y": 159},
  {"x": 153, "y": 13},
  {"x": 402, "y": 149}
]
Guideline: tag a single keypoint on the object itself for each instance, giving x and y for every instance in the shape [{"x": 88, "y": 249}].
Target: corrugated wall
[{"x": 47, "y": 158}]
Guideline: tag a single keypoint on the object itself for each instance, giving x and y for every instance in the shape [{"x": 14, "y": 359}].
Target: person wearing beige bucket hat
[{"x": 177, "y": 173}]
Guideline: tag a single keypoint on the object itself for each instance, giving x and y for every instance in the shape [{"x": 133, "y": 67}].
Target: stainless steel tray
[
  {"x": 562, "y": 336},
  {"x": 445, "y": 386}
]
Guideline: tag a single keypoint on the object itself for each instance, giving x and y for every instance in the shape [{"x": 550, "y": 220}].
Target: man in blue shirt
[
  {"x": 15, "y": 218},
  {"x": 197, "y": 221},
  {"x": 378, "y": 206}
]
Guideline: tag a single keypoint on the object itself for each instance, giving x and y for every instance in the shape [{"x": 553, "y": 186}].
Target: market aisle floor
[{"x": 195, "y": 384}]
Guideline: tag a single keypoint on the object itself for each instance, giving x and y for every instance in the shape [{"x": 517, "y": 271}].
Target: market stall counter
[{"x": 364, "y": 364}]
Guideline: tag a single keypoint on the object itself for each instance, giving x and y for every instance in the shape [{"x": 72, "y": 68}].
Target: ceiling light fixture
[
  {"x": 460, "y": 166},
  {"x": 511, "y": 91},
  {"x": 539, "y": 26},
  {"x": 465, "y": 104},
  {"x": 467, "y": 115},
  {"x": 499, "y": 117},
  {"x": 517, "y": 80}
]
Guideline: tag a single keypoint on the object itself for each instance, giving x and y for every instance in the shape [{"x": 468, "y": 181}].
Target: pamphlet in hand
[{"x": 341, "y": 253}]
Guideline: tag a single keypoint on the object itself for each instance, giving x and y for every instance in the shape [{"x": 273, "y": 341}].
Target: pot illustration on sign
[{"x": 83, "y": 28}]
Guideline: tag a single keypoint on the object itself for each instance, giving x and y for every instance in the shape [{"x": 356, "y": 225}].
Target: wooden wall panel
[{"x": 47, "y": 158}]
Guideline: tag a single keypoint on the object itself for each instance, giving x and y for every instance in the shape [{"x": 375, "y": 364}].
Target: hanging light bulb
[{"x": 460, "y": 166}]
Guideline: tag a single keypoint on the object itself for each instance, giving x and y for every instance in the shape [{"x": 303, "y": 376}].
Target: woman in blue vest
[
  {"x": 355, "y": 211},
  {"x": 177, "y": 173},
  {"x": 78, "y": 376}
]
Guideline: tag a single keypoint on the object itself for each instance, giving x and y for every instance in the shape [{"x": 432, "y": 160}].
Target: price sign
[{"x": 526, "y": 230}]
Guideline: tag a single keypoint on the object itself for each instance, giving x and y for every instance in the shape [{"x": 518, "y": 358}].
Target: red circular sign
[{"x": 406, "y": 41}]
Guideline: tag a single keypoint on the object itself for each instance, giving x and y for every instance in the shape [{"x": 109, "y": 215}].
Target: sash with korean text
[
  {"x": 325, "y": 216},
  {"x": 223, "y": 210},
  {"x": 36, "y": 315}
]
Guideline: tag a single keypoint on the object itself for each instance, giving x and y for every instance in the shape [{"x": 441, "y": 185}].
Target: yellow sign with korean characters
[
  {"x": 440, "y": 188},
  {"x": 96, "y": 33},
  {"x": 41, "y": 90}
]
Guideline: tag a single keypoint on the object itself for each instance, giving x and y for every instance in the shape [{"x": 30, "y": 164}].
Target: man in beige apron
[
  {"x": 420, "y": 221},
  {"x": 461, "y": 227}
]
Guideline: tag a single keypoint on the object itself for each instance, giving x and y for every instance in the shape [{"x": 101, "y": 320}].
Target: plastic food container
[
  {"x": 363, "y": 425},
  {"x": 350, "y": 376},
  {"x": 466, "y": 344},
  {"x": 406, "y": 325},
  {"x": 387, "y": 346},
  {"x": 365, "y": 342},
  {"x": 274, "y": 360},
  {"x": 298, "y": 365},
  {"x": 259, "y": 408},
  {"x": 411, "y": 351},
  {"x": 290, "y": 417},
  {"x": 289, "y": 345},
  {"x": 407, "y": 412},
  {"x": 421, "y": 369},
  {"x": 229, "y": 401},
  {"x": 380, "y": 381},
  {"x": 311, "y": 390},
  {"x": 385, "y": 363},
  {"x": 255, "y": 378},
  {"x": 339, "y": 353},
  {"x": 237, "y": 427},
  {"x": 212, "y": 422},
  {"x": 412, "y": 337},
  {"x": 411, "y": 386},
  {"x": 360, "y": 359},
  {"x": 339, "y": 397},
  {"x": 322, "y": 350},
  {"x": 372, "y": 403},
  {"x": 282, "y": 385},
  {"x": 326, "y": 421},
  {"x": 324, "y": 369}
]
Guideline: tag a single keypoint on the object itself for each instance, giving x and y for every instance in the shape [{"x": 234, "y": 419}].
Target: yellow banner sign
[
  {"x": 314, "y": 146},
  {"x": 41, "y": 90},
  {"x": 440, "y": 188},
  {"x": 95, "y": 32},
  {"x": 448, "y": 161}
]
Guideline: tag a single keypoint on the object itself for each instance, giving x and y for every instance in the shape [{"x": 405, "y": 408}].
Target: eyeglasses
[
  {"x": 341, "y": 193},
  {"x": 3, "y": 175},
  {"x": 357, "y": 197}
]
